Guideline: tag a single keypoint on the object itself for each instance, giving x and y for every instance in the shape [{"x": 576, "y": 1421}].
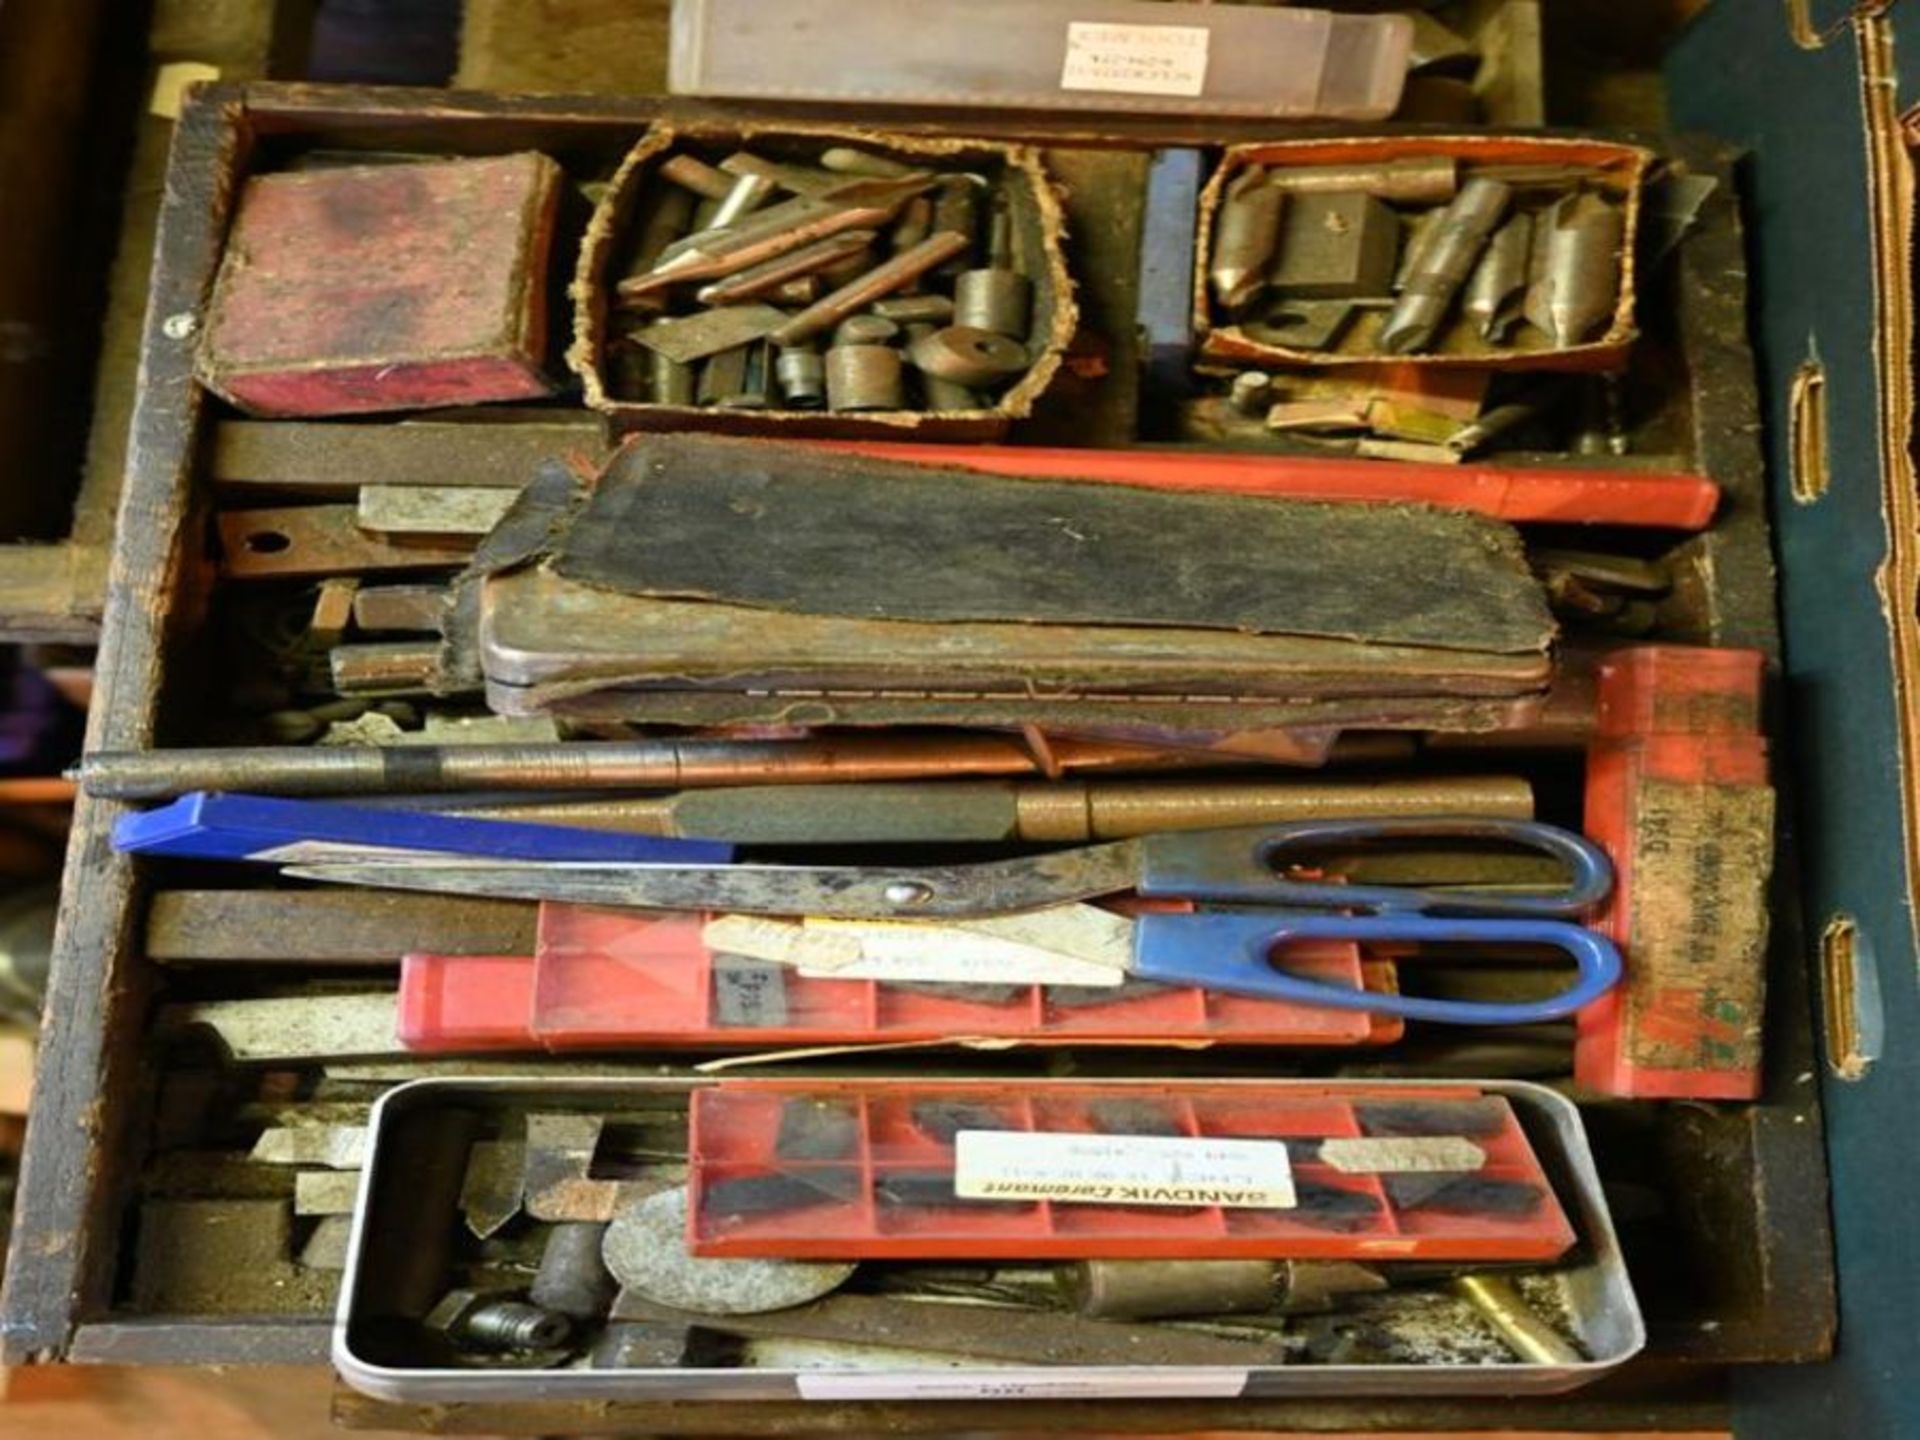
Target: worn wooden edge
[
  {"x": 1778, "y": 1192},
  {"x": 52, "y": 594},
  {"x": 77, "y": 1159}
]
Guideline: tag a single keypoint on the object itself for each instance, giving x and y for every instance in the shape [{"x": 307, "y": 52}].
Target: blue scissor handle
[
  {"x": 1230, "y": 953},
  {"x": 1239, "y": 865}
]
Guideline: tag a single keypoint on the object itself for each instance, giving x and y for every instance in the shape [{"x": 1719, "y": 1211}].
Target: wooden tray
[{"x": 1745, "y": 1186}]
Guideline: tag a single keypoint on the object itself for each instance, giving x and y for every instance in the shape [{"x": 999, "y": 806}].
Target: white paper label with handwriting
[
  {"x": 1022, "y": 1383},
  {"x": 1077, "y": 1169},
  {"x": 1135, "y": 59}
]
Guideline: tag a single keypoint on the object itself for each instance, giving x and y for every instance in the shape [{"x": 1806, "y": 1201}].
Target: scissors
[{"x": 1228, "y": 950}]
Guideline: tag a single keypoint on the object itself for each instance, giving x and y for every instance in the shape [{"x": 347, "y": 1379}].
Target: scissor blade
[{"x": 850, "y": 892}]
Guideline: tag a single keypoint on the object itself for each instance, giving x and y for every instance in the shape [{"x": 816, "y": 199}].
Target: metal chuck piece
[
  {"x": 998, "y": 298},
  {"x": 1576, "y": 268},
  {"x": 1446, "y": 258}
]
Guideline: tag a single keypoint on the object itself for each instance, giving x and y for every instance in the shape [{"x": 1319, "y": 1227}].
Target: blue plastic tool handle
[
  {"x": 1233, "y": 953},
  {"x": 1241, "y": 865}
]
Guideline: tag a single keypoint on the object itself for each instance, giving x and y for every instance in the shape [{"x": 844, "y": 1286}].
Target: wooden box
[{"x": 1734, "y": 1257}]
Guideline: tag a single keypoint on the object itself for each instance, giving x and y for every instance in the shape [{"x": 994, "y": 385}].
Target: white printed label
[
  {"x": 1401, "y": 1154},
  {"x": 905, "y": 950},
  {"x": 1023, "y": 1383},
  {"x": 1135, "y": 59},
  {"x": 1079, "y": 1169}
]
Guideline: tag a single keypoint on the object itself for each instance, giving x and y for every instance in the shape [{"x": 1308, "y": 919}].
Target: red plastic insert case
[
  {"x": 853, "y": 1170},
  {"x": 607, "y": 979}
]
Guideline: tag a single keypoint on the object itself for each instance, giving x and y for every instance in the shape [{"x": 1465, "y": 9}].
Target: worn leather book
[
  {"x": 713, "y": 582},
  {"x": 804, "y": 532}
]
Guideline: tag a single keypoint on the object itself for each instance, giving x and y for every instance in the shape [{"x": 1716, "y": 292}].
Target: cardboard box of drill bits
[
  {"x": 818, "y": 281},
  {"x": 1496, "y": 252}
]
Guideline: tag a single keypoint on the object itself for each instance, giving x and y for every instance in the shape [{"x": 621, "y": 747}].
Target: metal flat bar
[
  {"x": 315, "y": 541},
  {"x": 193, "y": 1340},
  {"x": 334, "y": 459},
  {"x": 317, "y": 928}
]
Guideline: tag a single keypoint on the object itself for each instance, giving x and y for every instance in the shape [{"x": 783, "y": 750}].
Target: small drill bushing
[
  {"x": 864, "y": 377},
  {"x": 802, "y": 376},
  {"x": 1252, "y": 392}
]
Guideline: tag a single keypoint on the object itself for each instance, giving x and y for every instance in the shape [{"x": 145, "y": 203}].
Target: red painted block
[{"x": 385, "y": 287}]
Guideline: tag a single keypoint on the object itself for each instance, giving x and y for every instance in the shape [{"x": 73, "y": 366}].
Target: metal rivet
[
  {"x": 907, "y": 892},
  {"x": 180, "y": 326}
]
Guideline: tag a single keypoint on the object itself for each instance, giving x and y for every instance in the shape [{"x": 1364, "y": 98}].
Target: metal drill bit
[
  {"x": 884, "y": 279},
  {"x": 800, "y": 292},
  {"x": 1428, "y": 179},
  {"x": 746, "y": 195},
  {"x": 1419, "y": 230},
  {"x": 845, "y": 160},
  {"x": 1245, "y": 234},
  {"x": 1576, "y": 265},
  {"x": 696, "y": 175},
  {"x": 1499, "y": 282},
  {"x": 639, "y": 764},
  {"x": 913, "y": 226},
  {"x": 666, "y": 221},
  {"x": 1443, "y": 265},
  {"x": 768, "y": 276},
  {"x": 853, "y": 205},
  {"x": 799, "y": 179}
]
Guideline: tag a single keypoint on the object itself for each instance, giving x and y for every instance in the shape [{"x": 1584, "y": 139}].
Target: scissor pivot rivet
[{"x": 907, "y": 892}]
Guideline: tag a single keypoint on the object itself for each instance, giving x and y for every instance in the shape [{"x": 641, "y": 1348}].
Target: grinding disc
[{"x": 646, "y": 1250}]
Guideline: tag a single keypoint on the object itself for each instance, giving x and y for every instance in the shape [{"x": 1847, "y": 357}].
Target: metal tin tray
[{"x": 1598, "y": 1292}]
